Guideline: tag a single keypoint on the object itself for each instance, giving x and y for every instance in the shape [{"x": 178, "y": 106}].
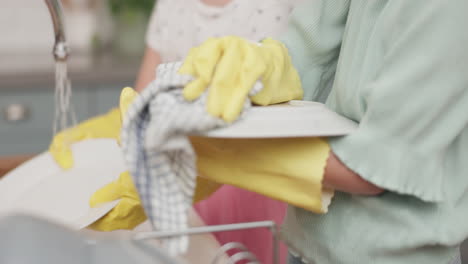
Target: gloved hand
[
  {"x": 230, "y": 66},
  {"x": 289, "y": 170},
  {"x": 127, "y": 214},
  {"x": 104, "y": 126},
  {"x": 286, "y": 169}
]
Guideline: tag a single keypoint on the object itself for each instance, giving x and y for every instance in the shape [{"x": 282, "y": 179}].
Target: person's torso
[
  {"x": 191, "y": 22},
  {"x": 389, "y": 228}
]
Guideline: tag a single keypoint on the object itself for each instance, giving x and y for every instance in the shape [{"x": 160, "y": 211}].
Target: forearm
[
  {"x": 147, "y": 73},
  {"x": 339, "y": 177}
]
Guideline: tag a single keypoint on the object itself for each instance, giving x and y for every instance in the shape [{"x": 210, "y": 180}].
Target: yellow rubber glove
[
  {"x": 104, "y": 126},
  {"x": 127, "y": 214},
  {"x": 230, "y": 66},
  {"x": 126, "y": 98},
  {"x": 290, "y": 170},
  {"x": 286, "y": 169}
]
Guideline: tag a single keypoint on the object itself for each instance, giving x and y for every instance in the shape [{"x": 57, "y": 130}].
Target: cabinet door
[
  {"x": 27, "y": 118},
  {"x": 107, "y": 97}
]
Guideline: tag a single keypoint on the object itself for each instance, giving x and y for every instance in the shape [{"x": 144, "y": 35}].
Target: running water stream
[
  {"x": 63, "y": 107},
  {"x": 64, "y": 112}
]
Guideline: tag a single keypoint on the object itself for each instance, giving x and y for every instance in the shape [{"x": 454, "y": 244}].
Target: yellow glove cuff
[
  {"x": 204, "y": 189},
  {"x": 289, "y": 169}
]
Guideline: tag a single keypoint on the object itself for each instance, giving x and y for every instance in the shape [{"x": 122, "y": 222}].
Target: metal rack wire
[{"x": 242, "y": 254}]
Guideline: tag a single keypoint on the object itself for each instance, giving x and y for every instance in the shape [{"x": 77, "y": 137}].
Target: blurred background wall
[{"x": 106, "y": 38}]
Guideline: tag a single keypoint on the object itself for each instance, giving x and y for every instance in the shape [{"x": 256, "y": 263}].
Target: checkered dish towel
[{"x": 158, "y": 153}]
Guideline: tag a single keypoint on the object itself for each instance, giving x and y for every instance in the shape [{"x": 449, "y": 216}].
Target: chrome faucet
[
  {"x": 61, "y": 50},
  {"x": 63, "y": 106}
]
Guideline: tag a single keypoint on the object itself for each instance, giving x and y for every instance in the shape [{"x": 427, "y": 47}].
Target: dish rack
[{"x": 242, "y": 253}]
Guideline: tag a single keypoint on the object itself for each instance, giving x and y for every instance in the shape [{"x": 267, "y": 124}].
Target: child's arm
[
  {"x": 147, "y": 73},
  {"x": 154, "y": 42}
]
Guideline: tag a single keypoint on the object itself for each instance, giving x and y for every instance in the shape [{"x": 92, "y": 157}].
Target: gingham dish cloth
[{"x": 158, "y": 153}]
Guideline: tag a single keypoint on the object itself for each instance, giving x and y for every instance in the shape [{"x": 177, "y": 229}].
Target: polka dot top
[{"x": 178, "y": 25}]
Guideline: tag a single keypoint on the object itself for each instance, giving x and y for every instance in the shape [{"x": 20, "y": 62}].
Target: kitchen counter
[{"x": 9, "y": 163}]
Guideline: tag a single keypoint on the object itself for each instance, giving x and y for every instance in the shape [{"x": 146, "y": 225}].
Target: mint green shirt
[{"x": 400, "y": 69}]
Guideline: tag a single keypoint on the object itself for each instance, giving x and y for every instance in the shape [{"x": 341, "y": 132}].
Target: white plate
[
  {"x": 39, "y": 187},
  {"x": 295, "y": 119}
]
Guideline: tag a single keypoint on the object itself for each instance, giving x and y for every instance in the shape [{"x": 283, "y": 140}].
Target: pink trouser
[{"x": 234, "y": 205}]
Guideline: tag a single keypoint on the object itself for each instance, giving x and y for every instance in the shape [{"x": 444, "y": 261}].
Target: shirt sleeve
[
  {"x": 417, "y": 104},
  {"x": 313, "y": 38},
  {"x": 157, "y": 24}
]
